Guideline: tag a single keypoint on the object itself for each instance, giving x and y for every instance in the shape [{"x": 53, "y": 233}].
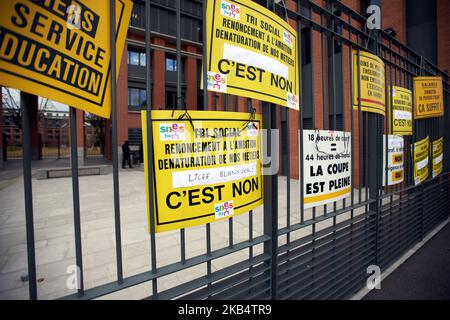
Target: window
[
  {"x": 171, "y": 64},
  {"x": 136, "y": 98},
  {"x": 171, "y": 98},
  {"x": 134, "y": 136},
  {"x": 136, "y": 58}
]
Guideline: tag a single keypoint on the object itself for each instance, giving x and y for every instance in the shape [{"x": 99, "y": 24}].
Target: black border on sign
[
  {"x": 154, "y": 170},
  {"x": 100, "y": 104},
  {"x": 251, "y": 8}
]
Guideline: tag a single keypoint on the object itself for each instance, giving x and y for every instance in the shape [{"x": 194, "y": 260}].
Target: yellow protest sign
[
  {"x": 401, "y": 111},
  {"x": 251, "y": 52},
  {"x": 428, "y": 97},
  {"x": 437, "y": 152},
  {"x": 371, "y": 82},
  {"x": 205, "y": 169},
  {"x": 60, "y": 50},
  {"x": 420, "y": 156}
]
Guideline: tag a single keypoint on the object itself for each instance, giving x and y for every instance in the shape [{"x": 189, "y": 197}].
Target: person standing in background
[{"x": 126, "y": 154}]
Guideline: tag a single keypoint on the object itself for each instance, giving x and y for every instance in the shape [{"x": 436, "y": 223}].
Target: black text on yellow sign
[
  {"x": 251, "y": 52},
  {"x": 204, "y": 171},
  {"x": 370, "y": 84},
  {"x": 401, "y": 111},
  {"x": 428, "y": 97},
  {"x": 60, "y": 49},
  {"x": 437, "y": 153},
  {"x": 421, "y": 156}
]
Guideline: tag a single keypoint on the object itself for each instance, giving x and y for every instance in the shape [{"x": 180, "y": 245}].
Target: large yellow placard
[
  {"x": 428, "y": 97},
  {"x": 437, "y": 152},
  {"x": 251, "y": 52},
  {"x": 204, "y": 170},
  {"x": 401, "y": 111},
  {"x": 61, "y": 49},
  {"x": 370, "y": 84},
  {"x": 421, "y": 151}
]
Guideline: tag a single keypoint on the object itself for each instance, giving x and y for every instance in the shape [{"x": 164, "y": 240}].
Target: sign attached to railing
[
  {"x": 394, "y": 169},
  {"x": 206, "y": 169},
  {"x": 251, "y": 52},
  {"x": 327, "y": 166},
  {"x": 401, "y": 111},
  {"x": 437, "y": 152},
  {"x": 421, "y": 157},
  {"x": 370, "y": 84},
  {"x": 428, "y": 97},
  {"x": 60, "y": 50}
]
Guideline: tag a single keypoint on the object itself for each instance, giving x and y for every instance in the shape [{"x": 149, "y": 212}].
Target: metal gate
[{"x": 291, "y": 252}]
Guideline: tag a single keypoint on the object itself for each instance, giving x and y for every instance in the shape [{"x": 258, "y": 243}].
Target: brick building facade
[{"x": 398, "y": 16}]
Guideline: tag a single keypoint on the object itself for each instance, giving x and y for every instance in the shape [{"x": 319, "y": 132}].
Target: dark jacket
[{"x": 126, "y": 149}]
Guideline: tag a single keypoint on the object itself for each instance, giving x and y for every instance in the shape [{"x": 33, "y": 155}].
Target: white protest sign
[
  {"x": 327, "y": 166},
  {"x": 394, "y": 167}
]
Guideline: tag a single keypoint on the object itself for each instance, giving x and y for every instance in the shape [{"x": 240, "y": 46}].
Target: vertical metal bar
[
  {"x": 115, "y": 155},
  {"x": 360, "y": 150},
  {"x": 313, "y": 109},
  {"x": 324, "y": 96},
  {"x": 326, "y": 102},
  {"x": 178, "y": 53},
  {"x": 205, "y": 103},
  {"x": 179, "y": 105},
  {"x": 389, "y": 100},
  {"x": 28, "y": 193},
  {"x": 351, "y": 86},
  {"x": 76, "y": 198},
  {"x": 271, "y": 194},
  {"x": 148, "y": 86},
  {"x": 300, "y": 122},
  {"x": 231, "y": 107},
  {"x": 333, "y": 71}
]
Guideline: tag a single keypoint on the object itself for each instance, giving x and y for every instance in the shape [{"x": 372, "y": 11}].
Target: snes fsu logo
[
  {"x": 292, "y": 101},
  {"x": 230, "y": 10},
  {"x": 224, "y": 209},
  {"x": 252, "y": 129},
  {"x": 172, "y": 131},
  {"x": 288, "y": 38},
  {"x": 217, "y": 82}
]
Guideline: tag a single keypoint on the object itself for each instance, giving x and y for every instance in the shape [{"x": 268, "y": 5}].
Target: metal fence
[{"x": 318, "y": 253}]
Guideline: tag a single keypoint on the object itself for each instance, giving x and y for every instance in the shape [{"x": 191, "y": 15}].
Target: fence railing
[{"x": 290, "y": 252}]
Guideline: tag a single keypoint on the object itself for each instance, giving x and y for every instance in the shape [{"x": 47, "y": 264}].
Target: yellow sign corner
[{"x": 61, "y": 50}]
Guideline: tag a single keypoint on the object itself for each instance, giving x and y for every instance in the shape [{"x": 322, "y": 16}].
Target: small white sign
[
  {"x": 172, "y": 131},
  {"x": 230, "y": 10},
  {"x": 394, "y": 167},
  {"x": 252, "y": 129},
  {"x": 217, "y": 82},
  {"x": 292, "y": 101},
  {"x": 327, "y": 166},
  {"x": 224, "y": 209}
]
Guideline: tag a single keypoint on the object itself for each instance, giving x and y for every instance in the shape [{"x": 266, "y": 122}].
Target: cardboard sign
[
  {"x": 420, "y": 156},
  {"x": 401, "y": 111},
  {"x": 327, "y": 166},
  {"x": 394, "y": 169},
  {"x": 371, "y": 82},
  {"x": 437, "y": 152},
  {"x": 428, "y": 97},
  {"x": 251, "y": 53},
  {"x": 204, "y": 170},
  {"x": 60, "y": 50}
]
